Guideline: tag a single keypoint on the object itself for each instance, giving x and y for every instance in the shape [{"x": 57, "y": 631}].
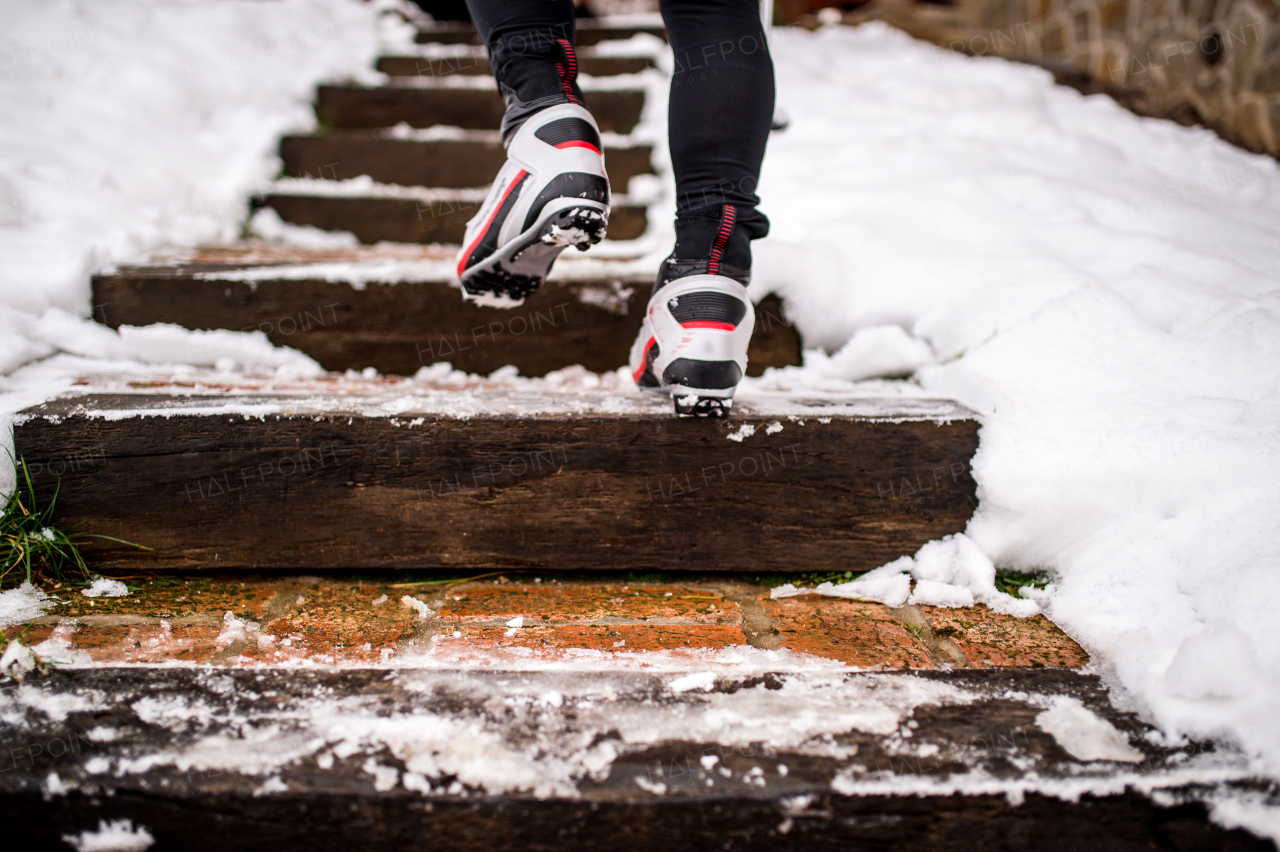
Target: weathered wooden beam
[
  {"x": 585, "y": 33},
  {"x": 445, "y": 163},
  {"x": 478, "y": 63},
  {"x": 177, "y": 741},
  {"x": 421, "y": 476},
  {"x": 368, "y": 107},
  {"x": 398, "y": 328},
  {"x": 429, "y": 219}
]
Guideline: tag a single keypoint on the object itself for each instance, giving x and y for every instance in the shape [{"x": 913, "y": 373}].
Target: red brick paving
[
  {"x": 992, "y": 640},
  {"x": 854, "y": 632},
  {"x": 337, "y": 622}
]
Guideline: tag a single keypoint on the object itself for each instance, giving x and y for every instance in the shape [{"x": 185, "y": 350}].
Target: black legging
[{"x": 720, "y": 111}]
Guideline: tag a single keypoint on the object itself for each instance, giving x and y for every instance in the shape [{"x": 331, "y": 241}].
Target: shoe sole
[{"x": 516, "y": 270}]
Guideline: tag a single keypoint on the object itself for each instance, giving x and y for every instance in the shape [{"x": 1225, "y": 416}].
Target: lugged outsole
[
  {"x": 692, "y": 405},
  {"x": 539, "y": 251}
]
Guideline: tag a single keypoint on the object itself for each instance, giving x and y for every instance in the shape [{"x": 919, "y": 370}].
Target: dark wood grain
[
  {"x": 360, "y": 107},
  {"x": 444, "y": 163},
  {"x": 448, "y": 66},
  {"x": 375, "y": 219},
  {"x": 585, "y": 34},
  {"x": 586, "y": 491},
  {"x": 399, "y": 328}
]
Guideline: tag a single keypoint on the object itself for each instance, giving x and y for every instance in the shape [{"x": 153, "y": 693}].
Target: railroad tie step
[
  {"x": 476, "y": 107},
  {"x": 454, "y": 161},
  {"x": 586, "y": 34},
  {"x": 212, "y": 470},
  {"x": 378, "y": 759},
  {"x": 389, "y": 213},
  {"x": 476, "y": 61},
  {"x": 400, "y": 310}
]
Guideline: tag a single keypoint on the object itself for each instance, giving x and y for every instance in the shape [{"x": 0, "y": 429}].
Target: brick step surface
[
  {"x": 447, "y": 163},
  {"x": 586, "y": 33},
  {"x": 398, "y": 310},
  {"x": 213, "y": 470},
  {"x": 472, "y": 107},
  {"x": 348, "y": 622},
  {"x": 413, "y": 217},
  {"x": 376, "y": 759},
  {"x": 477, "y": 62}
]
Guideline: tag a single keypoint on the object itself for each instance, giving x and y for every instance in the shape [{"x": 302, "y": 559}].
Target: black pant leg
[
  {"x": 721, "y": 110},
  {"x": 523, "y": 38}
]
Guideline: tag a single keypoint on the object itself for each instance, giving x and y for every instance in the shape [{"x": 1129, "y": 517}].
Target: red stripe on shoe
[
  {"x": 570, "y": 73},
  {"x": 722, "y": 237},
  {"x": 720, "y": 326},
  {"x": 577, "y": 143},
  {"x": 644, "y": 360},
  {"x": 462, "y": 264}
]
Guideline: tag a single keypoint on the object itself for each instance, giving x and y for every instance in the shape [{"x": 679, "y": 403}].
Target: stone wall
[{"x": 1210, "y": 62}]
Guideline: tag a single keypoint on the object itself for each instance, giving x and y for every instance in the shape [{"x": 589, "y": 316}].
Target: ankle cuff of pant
[
  {"x": 713, "y": 239},
  {"x": 534, "y": 69}
]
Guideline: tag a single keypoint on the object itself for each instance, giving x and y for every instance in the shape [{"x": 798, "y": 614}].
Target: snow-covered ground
[
  {"x": 1103, "y": 288},
  {"x": 1099, "y": 286},
  {"x": 134, "y": 124}
]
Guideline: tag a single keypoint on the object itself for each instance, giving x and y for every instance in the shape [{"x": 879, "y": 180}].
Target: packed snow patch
[
  {"x": 102, "y": 587},
  {"x": 1083, "y": 734},
  {"x": 115, "y": 836},
  {"x": 424, "y": 611},
  {"x": 23, "y": 604},
  {"x": 1101, "y": 288}
]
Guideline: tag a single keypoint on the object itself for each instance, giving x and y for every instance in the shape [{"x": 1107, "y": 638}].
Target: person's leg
[
  {"x": 553, "y": 191},
  {"x": 526, "y": 42},
  {"x": 720, "y": 113},
  {"x": 698, "y": 323}
]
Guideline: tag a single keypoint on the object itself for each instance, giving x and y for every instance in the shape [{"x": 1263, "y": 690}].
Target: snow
[
  {"x": 1100, "y": 288},
  {"x": 118, "y": 835},
  {"x": 23, "y": 604},
  {"x": 424, "y": 611},
  {"x": 1083, "y": 734},
  {"x": 141, "y": 123},
  {"x": 103, "y": 587}
]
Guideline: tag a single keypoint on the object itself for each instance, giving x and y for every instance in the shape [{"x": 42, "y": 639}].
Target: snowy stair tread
[
  {"x": 465, "y": 160},
  {"x": 229, "y": 471},
  {"x": 473, "y": 107},
  {"x": 476, "y": 62},
  {"x": 374, "y": 759},
  {"x": 425, "y": 217},
  {"x": 586, "y": 33},
  {"x": 398, "y": 309}
]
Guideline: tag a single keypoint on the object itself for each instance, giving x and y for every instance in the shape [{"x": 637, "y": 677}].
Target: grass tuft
[{"x": 32, "y": 548}]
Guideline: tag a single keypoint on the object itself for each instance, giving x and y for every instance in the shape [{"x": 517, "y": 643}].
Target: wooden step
[
  {"x": 477, "y": 62},
  {"x": 373, "y": 759},
  {"x": 228, "y": 471},
  {"x": 427, "y": 216},
  {"x": 586, "y": 33},
  {"x": 470, "y": 161},
  {"x": 468, "y": 107},
  {"x": 400, "y": 311}
]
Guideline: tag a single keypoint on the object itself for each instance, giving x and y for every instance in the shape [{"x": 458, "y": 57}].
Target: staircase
[{"x": 451, "y": 722}]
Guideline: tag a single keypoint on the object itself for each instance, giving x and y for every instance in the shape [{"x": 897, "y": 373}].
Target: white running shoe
[
  {"x": 551, "y": 194},
  {"x": 693, "y": 343}
]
